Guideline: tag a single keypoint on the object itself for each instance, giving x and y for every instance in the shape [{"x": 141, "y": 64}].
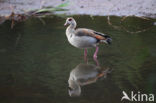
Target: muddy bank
[{"x": 145, "y": 8}]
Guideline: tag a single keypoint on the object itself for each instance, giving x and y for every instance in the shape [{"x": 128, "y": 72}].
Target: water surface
[{"x": 36, "y": 60}]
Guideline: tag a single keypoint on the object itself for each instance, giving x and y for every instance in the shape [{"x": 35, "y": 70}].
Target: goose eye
[{"x": 69, "y": 19}]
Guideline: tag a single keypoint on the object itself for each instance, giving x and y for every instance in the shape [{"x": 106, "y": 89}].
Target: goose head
[{"x": 71, "y": 22}]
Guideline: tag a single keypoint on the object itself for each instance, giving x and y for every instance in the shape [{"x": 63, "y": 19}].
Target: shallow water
[{"x": 36, "y": 60}]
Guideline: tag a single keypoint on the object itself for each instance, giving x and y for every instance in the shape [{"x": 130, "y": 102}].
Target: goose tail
[{"x": 108, "y": 39}]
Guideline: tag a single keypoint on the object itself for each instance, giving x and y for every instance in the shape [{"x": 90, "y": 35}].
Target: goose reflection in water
[{"x": 84, "y": 74}]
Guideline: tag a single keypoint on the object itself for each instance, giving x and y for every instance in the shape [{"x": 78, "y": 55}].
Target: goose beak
[{"x": 65, "y": 24}]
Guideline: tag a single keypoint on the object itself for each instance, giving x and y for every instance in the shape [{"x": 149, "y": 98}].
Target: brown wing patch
[
  {"x": 88, "y": 32},
  {"x": 99, "y": 37}
]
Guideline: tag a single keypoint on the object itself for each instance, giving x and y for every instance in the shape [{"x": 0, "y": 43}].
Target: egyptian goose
[
  {"x": 84, "y": 38},
  {"x": 84, "y": 74}
]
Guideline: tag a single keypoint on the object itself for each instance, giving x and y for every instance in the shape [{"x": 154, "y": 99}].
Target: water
[{"x": 36, "y": 60}]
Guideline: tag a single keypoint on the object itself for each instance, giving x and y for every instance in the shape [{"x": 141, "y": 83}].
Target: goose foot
[{"x": 97, "y": 62}]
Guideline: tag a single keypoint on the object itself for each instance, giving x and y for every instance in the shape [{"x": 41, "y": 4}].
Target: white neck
[{"x": 70, "y": 30}]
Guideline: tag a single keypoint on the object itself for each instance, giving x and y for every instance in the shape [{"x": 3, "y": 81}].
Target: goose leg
[
  {"x": 95, "y": 56},
  {"x": 96, "y": 52},
  {"x": 97, "y": 62},
  {"x": 85, "y": 55}
]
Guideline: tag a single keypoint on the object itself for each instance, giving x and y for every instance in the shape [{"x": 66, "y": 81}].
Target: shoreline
[{"x": 141, "y": 8}]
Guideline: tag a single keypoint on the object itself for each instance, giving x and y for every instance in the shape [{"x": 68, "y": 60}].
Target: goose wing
[{"x": 92, "y": 33}]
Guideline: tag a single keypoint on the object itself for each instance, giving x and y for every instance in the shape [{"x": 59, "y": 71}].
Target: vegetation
[{"x": 37, "y": 13}]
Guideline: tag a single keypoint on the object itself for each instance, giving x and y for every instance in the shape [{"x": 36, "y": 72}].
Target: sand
[{"x": 146, "y": 8}]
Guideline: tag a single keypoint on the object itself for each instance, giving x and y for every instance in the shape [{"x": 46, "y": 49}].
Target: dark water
[{"x": 36, "y": 60}]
